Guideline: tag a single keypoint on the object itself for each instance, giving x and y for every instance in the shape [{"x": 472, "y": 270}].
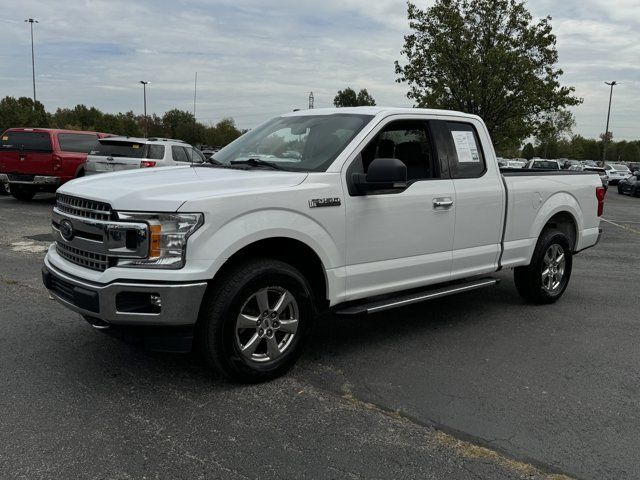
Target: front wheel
[
  {"x": 620, "y": 191},
  {"x": 545, "y": 279},
  {"x": 254, "y": 320},
  {"x": 21, "y": 193}
]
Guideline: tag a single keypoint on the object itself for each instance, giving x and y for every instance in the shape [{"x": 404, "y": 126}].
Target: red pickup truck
[{"x": 41, "y": 159}]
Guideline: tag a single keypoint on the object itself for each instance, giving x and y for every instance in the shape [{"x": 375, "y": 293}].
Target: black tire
[
  {"x": 529, "y": 279},
  {"x": 218, "y": 336},
  {"x": 24, "y": 194},
  {"x": 634, "y": 192},
  {"x": 620, "y": 189}
]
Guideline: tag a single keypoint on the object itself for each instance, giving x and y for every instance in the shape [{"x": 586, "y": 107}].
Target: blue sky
[{"x": 259, "y": 58}]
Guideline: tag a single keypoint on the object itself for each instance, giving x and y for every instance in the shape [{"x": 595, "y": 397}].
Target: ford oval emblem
[{"x": 66, "y": 230}]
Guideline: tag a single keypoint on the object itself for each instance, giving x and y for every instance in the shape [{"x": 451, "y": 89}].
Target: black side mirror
[{"x": 388, "y": 175}]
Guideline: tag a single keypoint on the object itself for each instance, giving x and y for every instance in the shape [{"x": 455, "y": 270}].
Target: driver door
[{"x": 397, "y": 241}]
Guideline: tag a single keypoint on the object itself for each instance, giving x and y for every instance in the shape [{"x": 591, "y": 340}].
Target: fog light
[{"x": 155, "y": 300}]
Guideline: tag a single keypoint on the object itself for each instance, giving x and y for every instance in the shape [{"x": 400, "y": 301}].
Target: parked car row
[
  {"x": 630, "y": 185},
  {"x": 36, "y": 160}
]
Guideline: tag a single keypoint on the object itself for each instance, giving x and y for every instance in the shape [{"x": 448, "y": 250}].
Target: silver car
[{"x": 124, "y": 153}]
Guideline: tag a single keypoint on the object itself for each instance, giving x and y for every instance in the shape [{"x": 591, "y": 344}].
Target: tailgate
[
  {"x": 112, "y": 155},
  {"x": 101, "y": 164},
  {"x": 26, "y": 153}
]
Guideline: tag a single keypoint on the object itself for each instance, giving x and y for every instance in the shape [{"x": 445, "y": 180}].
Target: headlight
[{"x": 168, "y": 234}]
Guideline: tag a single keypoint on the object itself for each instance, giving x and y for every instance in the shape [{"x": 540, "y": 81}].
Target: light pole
[
  {"x": 144, "y": 93},
  {"x": 33, "y": 62},
  {"x": 606, "y": 133}
]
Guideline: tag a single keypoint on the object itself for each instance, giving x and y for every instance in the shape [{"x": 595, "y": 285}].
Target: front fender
[{"x": 263, "y": 224}]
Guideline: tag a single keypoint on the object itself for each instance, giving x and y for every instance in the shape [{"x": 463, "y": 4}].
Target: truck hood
[{"x": 166, "y": 189}]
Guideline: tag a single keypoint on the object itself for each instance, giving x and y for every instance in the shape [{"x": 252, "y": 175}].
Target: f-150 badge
[{"x": 324, "y": 202}]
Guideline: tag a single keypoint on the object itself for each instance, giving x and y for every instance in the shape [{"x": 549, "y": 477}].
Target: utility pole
[
  {"x": 606, "y": 132},
  {"x": 33, "y": 61},
  {"x": 310, "y": 100},
  {"x": 195, "y": 92},
  {"x": 144, "y": 93}
]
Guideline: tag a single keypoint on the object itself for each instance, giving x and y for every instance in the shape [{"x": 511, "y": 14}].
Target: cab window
[
  {"x": 468, "y": 159},
  {"x": 408, "y": 141}
]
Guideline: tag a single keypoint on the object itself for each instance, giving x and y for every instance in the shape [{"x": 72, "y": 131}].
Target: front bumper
[
  {"x": 36, "y": 180},
  {"x": 126, "y": 302}
]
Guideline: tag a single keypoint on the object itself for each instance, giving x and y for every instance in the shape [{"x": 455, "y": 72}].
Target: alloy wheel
[
  {"x": 267, "y": 324},
  {"x": 553, "y": 268}
]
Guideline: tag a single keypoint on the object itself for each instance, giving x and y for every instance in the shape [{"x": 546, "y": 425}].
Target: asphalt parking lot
[{"x": 479, "y": 385}]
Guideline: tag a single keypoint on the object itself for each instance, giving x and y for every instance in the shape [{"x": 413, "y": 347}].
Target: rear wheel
[
  {"x": 620, "y": 190},
  {"x": 254, "y": 320},
  {"x": 24, "y": 194},
  {"x": 545, "y": 279},
  {"x": 634, "y": 192}
]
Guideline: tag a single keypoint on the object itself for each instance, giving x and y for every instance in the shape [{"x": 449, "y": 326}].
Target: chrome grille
[
  {"x": 94, "y": 261},
  {"x": 84, "y": 208}
]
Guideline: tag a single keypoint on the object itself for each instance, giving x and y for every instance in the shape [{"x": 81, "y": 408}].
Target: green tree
[
  {"x": 554, "y": 126},
  {"x": 19, "y": 112},
  {"x": 174, "y": 121},
  {"x": 486, "y": 57},
  {"x": 528, "y": 151},
  {"x": 349, "y": 98},
  {"x": 630, "y": 152},
  {"x": 222, "y": 133}
]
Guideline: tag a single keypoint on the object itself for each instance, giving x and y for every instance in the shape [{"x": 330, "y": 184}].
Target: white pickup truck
[{"x": 352, "y": 210}]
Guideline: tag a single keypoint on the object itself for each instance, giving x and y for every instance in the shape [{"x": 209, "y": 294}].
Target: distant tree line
[
  {"x": 580, "y": 148},
  {"x": 179, "y": 124}
]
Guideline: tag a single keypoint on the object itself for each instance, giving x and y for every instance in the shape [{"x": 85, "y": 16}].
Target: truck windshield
[
  {"x": 306, "y": 143},
  {"x": 21, "y": 140},
  {"x": 112, "y": 148}
]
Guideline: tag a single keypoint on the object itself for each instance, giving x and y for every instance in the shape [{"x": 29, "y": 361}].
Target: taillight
[
  {"x": 147, "y": 164},
  {"x": 56, "y": 162},
  {"x": 600, "y": 191}
]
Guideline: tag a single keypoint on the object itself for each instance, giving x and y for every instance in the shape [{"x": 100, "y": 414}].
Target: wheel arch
[
  {"x": 566, "y": 223},
  {"x": 288, "y": 250},
  {"x": 562, "y": 211}
]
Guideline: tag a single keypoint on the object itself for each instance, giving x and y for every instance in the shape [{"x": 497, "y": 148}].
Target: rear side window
[
  {"x": 468, "y": 161},
  {"x": 33, "y": 141},
  {"x": 77, "y": 142},
  {"x": 155, "y": 152},
  {"x": 195, "y": 155},
  {"x": 111, "y": 148},
  {"x": 179, "y": 154}
]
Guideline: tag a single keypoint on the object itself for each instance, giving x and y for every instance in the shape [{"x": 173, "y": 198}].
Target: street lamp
[
  {"x": 33, "y": 62},
  {"x": 606, "y": 133},
  {"x": 144, "y": 93}
]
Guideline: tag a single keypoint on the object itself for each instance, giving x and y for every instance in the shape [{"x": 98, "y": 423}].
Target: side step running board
[{"x": 401, "y": 301}]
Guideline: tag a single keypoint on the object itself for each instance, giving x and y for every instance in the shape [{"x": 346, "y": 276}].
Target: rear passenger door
[
  {"x": 399, "y": 240},
  {"x": 479, "y": 197}
]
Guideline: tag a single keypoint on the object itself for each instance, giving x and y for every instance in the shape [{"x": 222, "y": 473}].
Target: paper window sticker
[{"x": 463, "y": 149}]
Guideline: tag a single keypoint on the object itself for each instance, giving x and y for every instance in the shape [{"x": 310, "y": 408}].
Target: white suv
[{"x": 124, "y": 153}]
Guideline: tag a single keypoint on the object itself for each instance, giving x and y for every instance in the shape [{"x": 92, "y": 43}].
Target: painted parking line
[{"x": 624, "y": 227}]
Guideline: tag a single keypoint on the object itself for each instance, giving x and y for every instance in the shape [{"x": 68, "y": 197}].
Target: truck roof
[
  {"x": 382, "y": 111},
  {"x": 51, "y": 130}
]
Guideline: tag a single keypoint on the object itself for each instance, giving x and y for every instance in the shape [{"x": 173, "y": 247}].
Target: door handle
[{"x": 442, "y": 202}]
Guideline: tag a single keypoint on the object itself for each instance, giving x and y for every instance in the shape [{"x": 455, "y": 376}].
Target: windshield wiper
[{"x": 256, "y": 162}]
